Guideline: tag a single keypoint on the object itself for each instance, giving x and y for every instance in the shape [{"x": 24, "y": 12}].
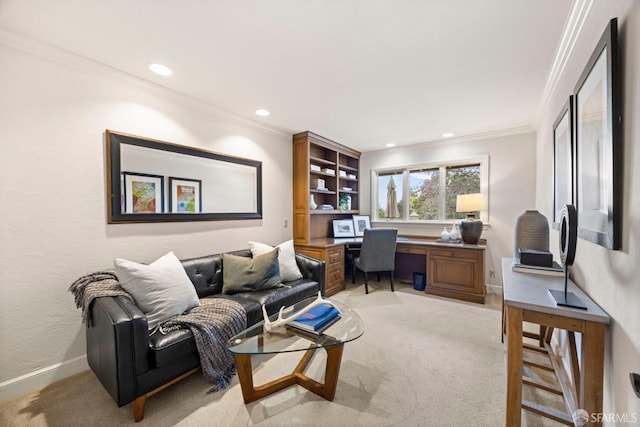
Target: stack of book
[
  {"x": 555, "y": 270},
  {"x": 317, "y": 319}
]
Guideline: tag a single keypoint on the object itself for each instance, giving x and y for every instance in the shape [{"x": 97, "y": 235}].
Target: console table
[
  {"x": 526, "y": 300},
  {"x": 454, "y": 270}
]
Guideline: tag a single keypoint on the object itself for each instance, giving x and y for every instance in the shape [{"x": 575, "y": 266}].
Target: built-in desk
[
  {"x": 526, "y": 300},
  {"x": 454, "y": 270}
]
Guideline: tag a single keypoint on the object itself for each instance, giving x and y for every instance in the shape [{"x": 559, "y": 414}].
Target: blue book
[{"x": 317, "y": 319}]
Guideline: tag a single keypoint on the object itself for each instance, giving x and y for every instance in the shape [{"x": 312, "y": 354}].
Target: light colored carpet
[{"x": 423, "y": 361}]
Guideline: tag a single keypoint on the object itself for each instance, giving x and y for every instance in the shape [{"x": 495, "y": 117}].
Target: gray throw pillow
[
  {"x": 242, "y": 274},
  {"x": 289, "y": 270},
  {"x": 161, "y": 289}
]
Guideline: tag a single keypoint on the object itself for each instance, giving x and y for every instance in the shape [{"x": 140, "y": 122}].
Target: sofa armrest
[
  {"x": 117, "y": 345},
  {"x": 311, "y": 268}
]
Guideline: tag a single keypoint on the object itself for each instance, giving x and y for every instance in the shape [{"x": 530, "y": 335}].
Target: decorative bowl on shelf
[{"x": 448, "y": 241}]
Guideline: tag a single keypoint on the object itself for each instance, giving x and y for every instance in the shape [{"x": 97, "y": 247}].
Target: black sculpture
[{"x": 568, "y": 236}]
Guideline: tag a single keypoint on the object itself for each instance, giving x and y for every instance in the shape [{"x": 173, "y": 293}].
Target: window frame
[{"x": 483, "y": 160}]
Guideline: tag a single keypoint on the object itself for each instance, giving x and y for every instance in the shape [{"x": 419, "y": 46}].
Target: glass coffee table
[{"x": 255, "y": 340}]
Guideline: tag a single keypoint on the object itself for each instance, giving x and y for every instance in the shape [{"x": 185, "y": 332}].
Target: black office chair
[{"x": 378, "y": 253}]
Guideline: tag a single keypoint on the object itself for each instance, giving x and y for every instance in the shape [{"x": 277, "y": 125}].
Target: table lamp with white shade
[{"x": 470, "y": 228}]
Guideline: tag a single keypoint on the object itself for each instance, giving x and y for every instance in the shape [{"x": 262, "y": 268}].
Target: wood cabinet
[
  {"x": 333, "y": 255},
  {"x": 328, "y": 171},
  {"x": 453, "y": 270},
  {"x": 456, "y": 273}
]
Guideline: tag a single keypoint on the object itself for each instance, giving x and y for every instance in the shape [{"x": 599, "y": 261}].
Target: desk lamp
[{"x": 471, "y": 228}]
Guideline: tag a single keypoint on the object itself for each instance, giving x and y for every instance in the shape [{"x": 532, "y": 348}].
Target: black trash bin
[{"x": 419, "y": 281}]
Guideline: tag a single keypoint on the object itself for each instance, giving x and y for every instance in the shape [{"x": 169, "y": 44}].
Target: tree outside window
[
  {"x": 460, "y": 180},
  {"x": 425, "y": 194},
  {"x": 384, "y": 179}
]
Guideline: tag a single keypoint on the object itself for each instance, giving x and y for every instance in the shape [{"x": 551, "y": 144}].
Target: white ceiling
[{"x": 361, "y": 72}]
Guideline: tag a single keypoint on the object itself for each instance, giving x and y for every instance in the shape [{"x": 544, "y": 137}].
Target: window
[
  {"x": 460, "y": 180},
  {"x": 425, "y": 194},
  {"x": 390, "y": 187},
  {"x": 431, "y": 190}
]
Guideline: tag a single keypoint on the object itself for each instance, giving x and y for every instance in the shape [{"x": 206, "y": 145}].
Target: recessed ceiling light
[
  {"x": 447, "y": 135},
  {"x": 262, "y": 112},
  {"x": 391, "y": 144},
  {"x": 160, "y": 69}
]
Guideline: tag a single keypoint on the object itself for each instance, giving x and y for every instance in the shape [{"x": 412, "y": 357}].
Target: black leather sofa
[{"x": 132, "y": 365}]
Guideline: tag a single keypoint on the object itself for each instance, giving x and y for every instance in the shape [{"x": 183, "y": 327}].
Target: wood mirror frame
[{"x": 223, "y": 187}]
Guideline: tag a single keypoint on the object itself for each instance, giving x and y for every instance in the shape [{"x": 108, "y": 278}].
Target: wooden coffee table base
[{"x": 250, "y": 393}]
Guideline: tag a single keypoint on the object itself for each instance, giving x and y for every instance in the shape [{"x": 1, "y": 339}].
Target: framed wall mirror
[{"x": 156, "y": 181}]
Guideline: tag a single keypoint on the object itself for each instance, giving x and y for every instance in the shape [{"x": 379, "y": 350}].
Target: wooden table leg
[
  {"x": 245, "y": 375},
  {"x": 592, "y": 369},
  {"x": 251, "y": 393},
  {"x": 332, "y": 369},
  {"x": 334, "y": 360},
  {"x": 514, "y": 366}
]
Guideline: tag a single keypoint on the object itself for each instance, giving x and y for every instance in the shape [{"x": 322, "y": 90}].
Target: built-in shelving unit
[{"x": 325, "y": 171}]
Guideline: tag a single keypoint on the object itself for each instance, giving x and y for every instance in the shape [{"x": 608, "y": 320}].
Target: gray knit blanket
[
  {"x": 99, "y": 284},
  {"x": 212, "y": 323}
]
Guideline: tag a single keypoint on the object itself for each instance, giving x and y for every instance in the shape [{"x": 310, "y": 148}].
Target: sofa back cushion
[
  {"x": 289, "y": 270},
  {"x": 241, "y": 274},
  {"x": 161, "y": 289},
  {"x": 205, "y": 272}
]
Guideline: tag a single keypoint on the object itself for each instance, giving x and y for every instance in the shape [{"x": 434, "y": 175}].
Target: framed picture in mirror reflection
[
  {"x": 185, "y": 195},
  {"x": 142, "y": 193}
]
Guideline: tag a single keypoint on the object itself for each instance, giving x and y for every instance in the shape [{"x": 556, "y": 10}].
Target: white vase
[
  {"x": 453, "y": 234},
  {"x": 445, "y": 234},
  {"x": 312, "y": 202}
]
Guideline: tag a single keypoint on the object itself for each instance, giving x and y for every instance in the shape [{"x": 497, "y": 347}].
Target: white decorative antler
[{"x": 280, "y": 321}]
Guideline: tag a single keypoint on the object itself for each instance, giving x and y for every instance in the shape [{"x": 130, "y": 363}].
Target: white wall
[
  {"x": 611, "y": 278},
  {"x": 512, "y": 190},
  {"x": 53, "y": 114}
]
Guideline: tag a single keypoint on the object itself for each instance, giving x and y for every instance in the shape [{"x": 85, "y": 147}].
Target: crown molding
[
  {"x": 81, "y": 63},
  {"x": 578, "y": 14}
]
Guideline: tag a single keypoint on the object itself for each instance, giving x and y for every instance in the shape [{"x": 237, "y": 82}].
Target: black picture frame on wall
[
  {"x": 598, "y": 124},
  {"x": 230, "y": 187},
  {"x": 562, "y": 161}
]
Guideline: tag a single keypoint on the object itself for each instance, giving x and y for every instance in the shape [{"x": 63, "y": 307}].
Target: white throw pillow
[
  {"x": 289, "y": 270},
  {"x": 161, "y": 289}
]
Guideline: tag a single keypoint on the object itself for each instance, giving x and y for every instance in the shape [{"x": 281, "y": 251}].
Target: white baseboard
[
  {"x": 494, "y": 289},
  {"x": 36, "y": 380}
]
